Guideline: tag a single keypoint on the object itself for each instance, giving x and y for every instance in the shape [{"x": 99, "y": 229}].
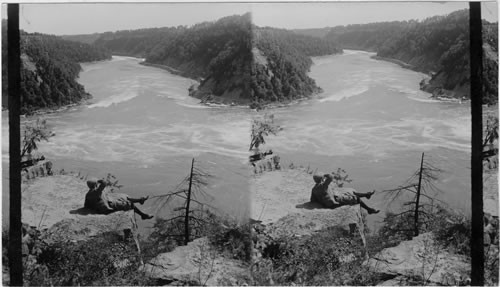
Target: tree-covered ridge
[
  {"x": 218, "y": 53},
  {"x": 441, "y": 44},
  {"x": 431, "y": 44},
  {"x": 221, "y": 54},
  {"x": 367, "y": 37},
  {"x": 314, "y": 32},
  {"x": 206, "y": 48},
  {"x": 137, "y": 43},
  {"x": 282, "y": 61},
  {"x": 50, "y": 67},
  {"x": 437, "y": 45}
]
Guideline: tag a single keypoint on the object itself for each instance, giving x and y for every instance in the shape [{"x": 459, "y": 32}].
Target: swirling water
[{"x": 371, "y": 120}]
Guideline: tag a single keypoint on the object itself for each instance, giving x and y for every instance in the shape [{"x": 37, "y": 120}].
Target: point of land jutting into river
[{"x": 234, "y": 150}]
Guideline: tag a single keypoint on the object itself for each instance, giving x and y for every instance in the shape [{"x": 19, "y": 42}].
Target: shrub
[
  {"x": 227, "y": 236},
  {"x": 452, "y": 230},
  {"x": 231, "y": 238},
  {"x": 106, "y": 259},
  {"x": 328, "y": 257}
]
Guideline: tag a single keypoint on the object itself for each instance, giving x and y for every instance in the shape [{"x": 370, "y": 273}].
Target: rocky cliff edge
[{"x": 56, "y": 203}]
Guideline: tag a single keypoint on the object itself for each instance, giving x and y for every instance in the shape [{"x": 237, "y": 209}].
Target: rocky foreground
[
  {"x": 280, "y": 200},
  {"x": 280, "y": 211},
  {"x": 281, "y": 203},
  {"x": 196, "y": 264},
  {"x": 56, "y": 202}
]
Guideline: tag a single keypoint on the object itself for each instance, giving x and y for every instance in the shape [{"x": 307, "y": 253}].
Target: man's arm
[{"x": 328, "y": 179}]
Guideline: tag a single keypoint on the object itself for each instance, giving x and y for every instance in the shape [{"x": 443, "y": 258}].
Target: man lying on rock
[
  {"x": 103, "y": 202},
  {"x": 331, "y": 197}
]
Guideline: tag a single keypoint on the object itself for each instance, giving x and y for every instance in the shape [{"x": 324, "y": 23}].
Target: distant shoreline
[
  {"x": 163, "y": 67},
  {"x": 447, "y": 96},
  {"x": 398, "y": 62}
]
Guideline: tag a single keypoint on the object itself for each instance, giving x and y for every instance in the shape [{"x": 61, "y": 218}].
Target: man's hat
[
  {"x": 91, "y": 183},
  {"x": 317, "y": 178}
]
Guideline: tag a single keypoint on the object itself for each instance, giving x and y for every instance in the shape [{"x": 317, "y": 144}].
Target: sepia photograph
[{"x": 250, "y": 143}]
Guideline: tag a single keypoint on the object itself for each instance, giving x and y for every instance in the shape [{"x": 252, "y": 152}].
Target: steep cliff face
[
  {"x": 448, "y": 83},
  {"x": 50, "y": 67},
  {"x": 438, "y": 46}
]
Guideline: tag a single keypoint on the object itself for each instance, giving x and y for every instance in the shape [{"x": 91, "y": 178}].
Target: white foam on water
[
  {"x": 115, "y": 99},
  {"x": 193, "y": 105},
  {"x": 346, "y": 93},
  {"x": 357, "y": 52},
  {"x": 424, "y": 100},
  {"x": 171, "y": 95},
  {"x": 151, "y": 144},
  {"x": 122, "y": 58}
]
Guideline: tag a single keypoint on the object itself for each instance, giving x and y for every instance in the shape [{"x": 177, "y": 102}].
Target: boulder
[
  {"x": 196, "y": 263},
  {"x": 310, "y": 221},
  {"x": 55, "y": 203},
  {"x": 420, "y": 259},
  {"x": 280, "y": 200}
]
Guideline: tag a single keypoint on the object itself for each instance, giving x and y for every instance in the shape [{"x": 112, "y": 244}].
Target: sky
[{"x": 85, "y": 18}]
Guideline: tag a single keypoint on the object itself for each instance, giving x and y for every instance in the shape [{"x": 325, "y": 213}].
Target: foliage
[
  {"x": 452, "y": 230},
  {"x": 262, "y": 128},
  {"x": 491, "y": 131},
  {"x": 229, "y": 237},
  {"x": 368, "y": 37},
  {"x": 397, "y": 227},
  {"x": 50, "y": 67},
  {"x": 330, "y": 257},
  {"x": 104, "y": 260},
  {"x": 112, "y": 182},
  {"x": 170, "y": 232},
  {"x": 33, "y": 134},
  {"x": 340, "y": 177}
]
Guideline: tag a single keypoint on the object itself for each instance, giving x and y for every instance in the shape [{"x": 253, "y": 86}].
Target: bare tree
[
  {"x": 419, "y": 186},
  {"x": 196, "y": 181}
]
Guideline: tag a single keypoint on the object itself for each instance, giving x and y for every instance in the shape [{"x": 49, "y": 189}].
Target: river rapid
[{"x": 371, "y": 120}]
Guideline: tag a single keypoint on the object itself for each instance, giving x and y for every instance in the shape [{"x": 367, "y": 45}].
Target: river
[{"x": 371, "y": 120}]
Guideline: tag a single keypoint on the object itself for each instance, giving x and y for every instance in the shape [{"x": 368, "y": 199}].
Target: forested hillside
[
  {"x": 367, "y": 37},
  {"x": 222, "y": 55},
  {"x": 437, "y": 45},
  {"x": 282, "y": 61},
  {"x": 50, "y": 67},
  {"x": 135, "y": 43},
  {"x": 83, "y": 38},
  {"x": 217, "y": 53},
  {"x": 314, "y": 32}
]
